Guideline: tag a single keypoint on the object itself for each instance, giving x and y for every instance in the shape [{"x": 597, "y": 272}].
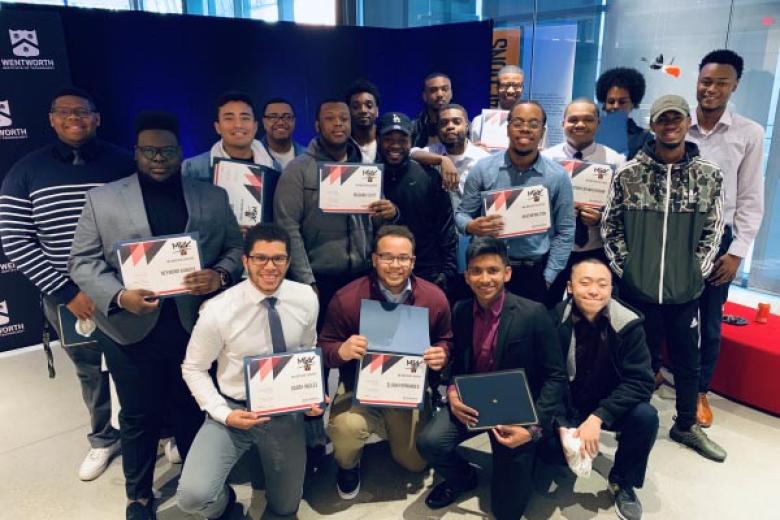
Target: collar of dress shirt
[
  {"x": 256, "y": 296},
  {"x": 494, "y": 310},
  {"x": 64, "y": 152},
  {"x": 725, "y": 119},
  {"x": 535, "y": 166},
  {"x": 396, "y": 298},
  {"x": 586, "y": 152}
]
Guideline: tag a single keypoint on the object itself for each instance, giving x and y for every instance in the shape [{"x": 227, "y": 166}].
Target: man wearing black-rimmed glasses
[
  {"x": 150, "y": 335},
  {"x": 40, "y": 203},
  {"x": 279, "y": 126}
]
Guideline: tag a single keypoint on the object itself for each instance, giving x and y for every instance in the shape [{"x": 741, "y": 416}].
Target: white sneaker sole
[{"x": 348, "y": 496}]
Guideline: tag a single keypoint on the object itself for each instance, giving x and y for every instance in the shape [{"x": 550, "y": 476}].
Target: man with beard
[
  {"x": 734, "y": 143},
  {"x": 342, "y": 345},
  {"x": 150, "y": 334},
  {"x": 328, "y": 250},
  {"x": 580, "y": 122},
  {"x": 662, "y": 227},
  {"x": 363, "y": 100},
  {"x": 511, "y": 83},
  {"x": 536, "y": 259},
  {"x": 437, "y": 92},
  {"x": 264, "y": 314},
  {"x": 424, "y": 206},
  {"x": 279, "y": 126}
]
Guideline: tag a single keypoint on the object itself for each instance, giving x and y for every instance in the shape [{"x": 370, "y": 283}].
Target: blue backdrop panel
[{"x": 136, "y": 60}]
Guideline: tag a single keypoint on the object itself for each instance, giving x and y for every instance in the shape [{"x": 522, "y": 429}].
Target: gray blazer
[{"x": 115, "y": 212}]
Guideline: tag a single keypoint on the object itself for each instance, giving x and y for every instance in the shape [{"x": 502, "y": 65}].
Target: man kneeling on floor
[
  {"x": 610, "y": 379},
  {"x": 496, "y": 330},
  {"x": 264, "y": 314},
  {"x": 350, "y": 424}
]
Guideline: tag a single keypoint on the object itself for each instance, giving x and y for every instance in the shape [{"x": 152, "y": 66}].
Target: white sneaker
[
  {"x": 97, "y": 460},
  {"x": 172, "y": 451}
]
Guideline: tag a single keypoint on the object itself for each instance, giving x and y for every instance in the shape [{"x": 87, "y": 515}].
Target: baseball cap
[
  {"x": 669, "y": 103},
  {"x": 394, "y": 121}
]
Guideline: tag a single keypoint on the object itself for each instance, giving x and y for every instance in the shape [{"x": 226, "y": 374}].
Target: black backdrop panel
[{"x": 136, "y": 60}]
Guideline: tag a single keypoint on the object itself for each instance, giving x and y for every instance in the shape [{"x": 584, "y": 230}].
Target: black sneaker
[
  {"x": 138, "y": 511},
  {"x": 696, "y": 439},
  {"x": 627, "y": 504},
  {"x": 445, "y": 493},
  {"x": 348, "y": 482}
]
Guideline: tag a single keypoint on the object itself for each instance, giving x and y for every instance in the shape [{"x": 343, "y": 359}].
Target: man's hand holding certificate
[
  {"x": 522, "y": 211},
  {"x": 284, "y": 383},
  {"x": 350, "y": 188},
  {"x": 590, "y": 181},
  {"x": 158, "y": 266}
]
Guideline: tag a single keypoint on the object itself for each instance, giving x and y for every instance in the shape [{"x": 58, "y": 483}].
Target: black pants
[
  {"x": 512, "y": 481},
  {"x": 149, "y": 385},
  {"x": 678, "y": 325},
  {"x": 327, "y": 286},
  {"x": 638, "y": 429},
  {"x": 711, "y": 304},
  {"x": 528, "y": 280}
]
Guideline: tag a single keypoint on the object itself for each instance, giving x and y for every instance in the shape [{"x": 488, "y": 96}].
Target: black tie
[
  {"x": 78, "y": 160},
  {"x": 580, "y": 230},
  {"x": 275, "y": 323}
]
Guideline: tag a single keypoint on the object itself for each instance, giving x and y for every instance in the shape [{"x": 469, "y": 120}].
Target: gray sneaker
[
  {"x": 696, "y": 439},
  {"x": 627, "y": 504}
]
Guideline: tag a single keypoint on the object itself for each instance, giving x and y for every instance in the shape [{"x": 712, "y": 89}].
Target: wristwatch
[{"x": 224, "y": 277}]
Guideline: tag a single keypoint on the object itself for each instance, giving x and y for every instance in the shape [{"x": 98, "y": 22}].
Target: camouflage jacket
[{"x": 663, "y": 224}]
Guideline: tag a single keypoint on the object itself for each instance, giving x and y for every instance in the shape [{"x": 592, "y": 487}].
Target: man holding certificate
[
  {"x": 591, "y": 166},
  {"x": 488, "y": 129},
  {"x": 344, "y": 347},
  {"x": 495, "y": 331},
  {"x": 137, "y": 238},
  {"x": 528, "y": 201},
  {"x": 265, "y": 316},
  {"x": 329, "y": 248}
]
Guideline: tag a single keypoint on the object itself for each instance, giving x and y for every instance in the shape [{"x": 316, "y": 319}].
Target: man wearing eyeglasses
[
  {"x": 536, "y": 259},
  {"x": 240, "y": 322},
  {"x": 342, "y": 345},
  {"x": 150, "y": 335},
  {"x": 279, "y": 125},
  {"x": 511, "y": 83},
  {"x": 40, "y": 202}
]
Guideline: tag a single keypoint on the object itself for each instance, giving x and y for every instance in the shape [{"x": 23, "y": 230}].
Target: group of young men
[{"x": 685, "y": 204}]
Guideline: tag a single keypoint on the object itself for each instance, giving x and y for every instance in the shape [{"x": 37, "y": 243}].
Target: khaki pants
[{"x": 350, "y": 426}]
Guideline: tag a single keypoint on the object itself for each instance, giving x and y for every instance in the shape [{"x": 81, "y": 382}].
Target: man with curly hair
[{"x": 623, "y": 88}]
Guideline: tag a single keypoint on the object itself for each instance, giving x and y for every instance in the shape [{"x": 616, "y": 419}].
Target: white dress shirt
[
  {"x": 597, "y": 153},
  {"x": 233, "y": 325},
  {"x": 736, "y": 144}
]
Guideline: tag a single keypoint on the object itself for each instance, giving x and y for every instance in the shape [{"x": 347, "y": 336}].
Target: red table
[{"x": 749, "y": 365}]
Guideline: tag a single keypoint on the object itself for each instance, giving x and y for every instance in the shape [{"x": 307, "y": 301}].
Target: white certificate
[
  {"x": 279, "y": 384},
  {"x": 390, "y": 380},
  {"x": 590, "y": 182},
  {"x": 525, "y": 211},
  {"x": 493, "y": 132},
  {"x": 349, "y": 187},
  {"x": 159, "y": 264},
  {"x": 244, "y": 185}
]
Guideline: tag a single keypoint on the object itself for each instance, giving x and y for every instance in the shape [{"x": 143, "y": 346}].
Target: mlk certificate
[
  {"x": 349, "y": 187},
  {"x": 590, "y": 182},
  {"x": 159, "y": 264},
  {"x": 244, "y": 185},
  {"x": 525, "y": 211},
  {"x": 284, "y": 383},
  {"x": 390, "y": 380}
]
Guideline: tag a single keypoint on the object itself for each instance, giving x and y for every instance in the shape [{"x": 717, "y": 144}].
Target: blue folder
[{"x": 393, "y": 327}]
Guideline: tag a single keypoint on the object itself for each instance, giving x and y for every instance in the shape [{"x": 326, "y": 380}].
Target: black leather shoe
[
  {"x": 229, "y": 507},
  {"x": 445, "y": 493},
  {"x": 138, "y": 511},
  {"x": 696, "y": 439}
]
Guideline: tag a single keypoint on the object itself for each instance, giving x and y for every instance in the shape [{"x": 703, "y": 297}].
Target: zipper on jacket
[{"x": 664, "y": 233}]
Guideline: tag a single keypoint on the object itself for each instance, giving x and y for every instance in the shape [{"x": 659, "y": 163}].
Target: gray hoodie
[{"x": 322, "y": 243}]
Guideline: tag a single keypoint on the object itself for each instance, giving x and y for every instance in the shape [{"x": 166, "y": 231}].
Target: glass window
[
  {"x": 102, "y": 4},
  {"x": 162, "y": 6},
  {"x": 319, "y": 12},
  {"x": 264, "y": 10}
]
